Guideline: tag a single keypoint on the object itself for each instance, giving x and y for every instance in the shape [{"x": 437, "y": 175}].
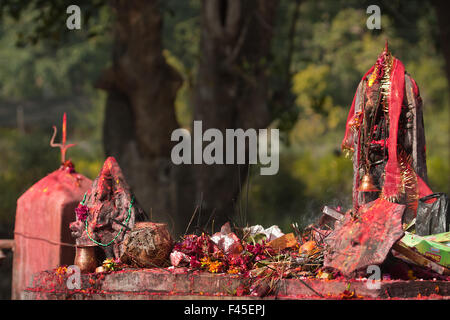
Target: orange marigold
[
  {"x": 205, "y": 261},
  {"x": 61, "y": 270},
  {"x": 215, "y": 266},
  {"x": 233, "y": 270}
]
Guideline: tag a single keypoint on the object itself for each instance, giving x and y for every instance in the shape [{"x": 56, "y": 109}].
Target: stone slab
[{"x": 155, "y": 284}]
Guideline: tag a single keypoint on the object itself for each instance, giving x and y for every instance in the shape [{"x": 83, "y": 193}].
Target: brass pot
[{"x": 86, "y": 259}]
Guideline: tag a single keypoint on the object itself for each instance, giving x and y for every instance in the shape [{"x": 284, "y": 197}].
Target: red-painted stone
[
  {"x": 43, "y": 215},
  {"x": 366, "y": 238},
  {"x": 170, "y": 284},
  {"x": 109, "y": 197}
]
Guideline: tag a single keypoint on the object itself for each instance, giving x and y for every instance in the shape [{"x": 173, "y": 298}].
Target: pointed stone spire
[{"x": 111, "y": 211}]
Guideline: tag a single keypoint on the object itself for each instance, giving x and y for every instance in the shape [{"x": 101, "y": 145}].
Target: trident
[{"x": 62, "y": 145}]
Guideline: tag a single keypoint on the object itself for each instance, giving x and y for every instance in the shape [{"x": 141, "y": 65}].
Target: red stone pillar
[{"x": 42, "y": 235}]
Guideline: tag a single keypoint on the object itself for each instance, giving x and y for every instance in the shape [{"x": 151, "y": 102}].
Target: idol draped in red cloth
[{"x": 385, "y": 134}]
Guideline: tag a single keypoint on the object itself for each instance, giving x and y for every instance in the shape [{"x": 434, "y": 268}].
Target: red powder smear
[
  {"x": 52, "y": 283},
  {"x": 365, "y": 239},
  {"x": 42, "y": 222}
]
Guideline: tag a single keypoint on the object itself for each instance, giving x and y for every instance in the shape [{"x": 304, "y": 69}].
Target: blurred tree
[
  {"x": 223, "y": 62},
  {"x": 39, "y": 80},
  {"x": 442, "y": 8},
  {"x": 140, "y": 114},
  {"x": 231, "y": 89},
  {"x": 142, "y": 88}
]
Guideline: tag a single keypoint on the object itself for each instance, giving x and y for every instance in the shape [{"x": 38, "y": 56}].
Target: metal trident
[{"x": 62, "y": 145}]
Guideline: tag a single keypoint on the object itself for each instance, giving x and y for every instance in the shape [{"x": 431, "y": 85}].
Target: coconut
[{"x": 147, "y": 245}]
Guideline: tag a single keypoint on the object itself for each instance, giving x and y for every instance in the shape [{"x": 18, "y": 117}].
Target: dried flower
[
  {"x": 233, "y": 270},
  {"x": 82, "y": 212},
  {"x": 111, "y": 265},
  {"x": 411, "y": 275},
  {"x": 194, "y": 263},
  {"x": 242, "y": 290},
  {"x": 69, "y": 166}
]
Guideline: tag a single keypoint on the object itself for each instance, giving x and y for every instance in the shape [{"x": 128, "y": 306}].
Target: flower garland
[{"x": 82, "y": 212}]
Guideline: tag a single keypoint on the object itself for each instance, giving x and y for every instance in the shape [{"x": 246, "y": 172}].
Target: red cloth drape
[
  {"x": 393, "y": 179},
  {"x": 348, "y": 142}
]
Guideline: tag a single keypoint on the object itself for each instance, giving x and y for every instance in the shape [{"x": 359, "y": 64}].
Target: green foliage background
[{"x": 332, "y": 50}]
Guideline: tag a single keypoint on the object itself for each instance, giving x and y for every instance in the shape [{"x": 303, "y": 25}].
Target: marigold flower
[
  {"x": 233, "y": 270},
  {"x": 61, "y": 270},
  {"x": 205, "y": 262},
  {"x": 215, "y": 266}
]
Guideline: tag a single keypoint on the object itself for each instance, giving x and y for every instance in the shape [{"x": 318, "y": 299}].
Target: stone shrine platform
[{"x": 158, "y": 283}]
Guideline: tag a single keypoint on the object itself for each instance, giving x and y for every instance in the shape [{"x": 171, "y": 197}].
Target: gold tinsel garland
[{"x": 409, "y": 181}]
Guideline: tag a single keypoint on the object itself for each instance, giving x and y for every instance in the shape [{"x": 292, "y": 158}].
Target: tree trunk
[
  {"x": 230, "y": 92},
  {"x": 231, "y": 89},
  {"x": 442, "y": 8},
  {"x": 140, "y": 115}
]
